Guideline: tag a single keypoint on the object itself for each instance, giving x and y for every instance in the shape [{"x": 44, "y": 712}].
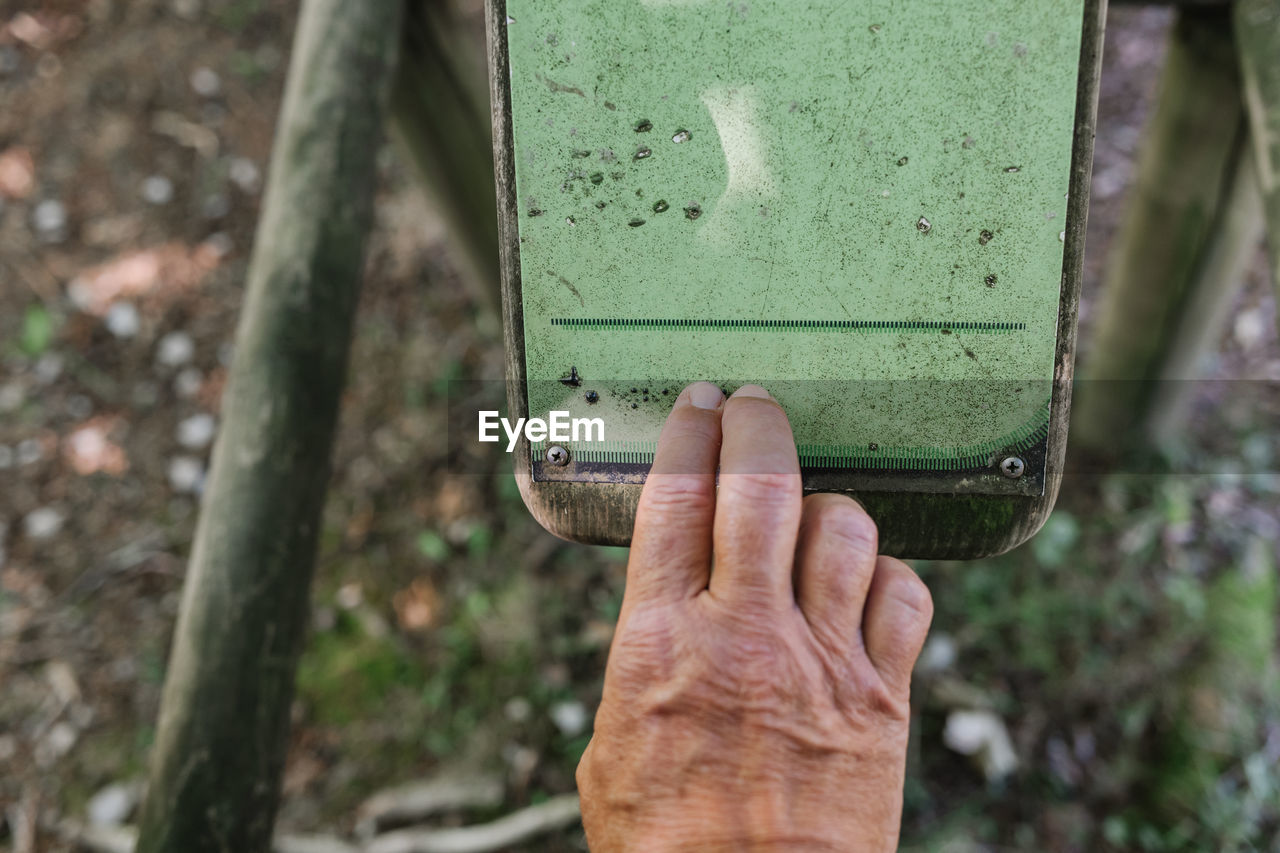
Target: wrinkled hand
[{"x": 756, "y": 696}]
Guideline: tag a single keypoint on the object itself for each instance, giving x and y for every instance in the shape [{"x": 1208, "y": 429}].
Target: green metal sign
[{"x": 859, "y": 205}]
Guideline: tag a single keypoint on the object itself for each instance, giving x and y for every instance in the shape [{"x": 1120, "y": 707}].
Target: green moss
[{"x": 346, "y": 674}]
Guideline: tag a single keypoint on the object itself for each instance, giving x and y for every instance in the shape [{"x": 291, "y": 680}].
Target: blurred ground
[{"x": 1122, "y": 653}]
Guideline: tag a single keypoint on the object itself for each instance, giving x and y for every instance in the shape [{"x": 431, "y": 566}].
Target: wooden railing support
[{"x": 224, "y": 717}]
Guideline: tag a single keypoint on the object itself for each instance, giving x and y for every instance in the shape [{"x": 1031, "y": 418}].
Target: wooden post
[
  {"x": 1218, "y": 280},
  {"x": 1183, "y": 174},
  {"x": 1258, "y": 37},
  {"x": 224, "y": 717},
  {"x": 440, "y": 113}
]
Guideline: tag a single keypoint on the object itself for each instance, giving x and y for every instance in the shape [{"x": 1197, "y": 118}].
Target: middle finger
[{"x": 759, "y": 503}]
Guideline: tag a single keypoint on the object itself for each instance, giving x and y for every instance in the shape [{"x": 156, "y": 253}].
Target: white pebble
[
  {"x": 983, "y": 735},
  {"x": 186, "y": 474},
  {"x": 57, "y": 743},
  {"x": 215, "y": 206},
  {"x": 521, "y": 759},
  {"x": 205, "y": 82},
  {"x": 122, "y": 320},
  {"x": 268, "y": 57},
  {"x": 50, "y": 218},
  {"x": 10, "y": 60},
  {"x": 157, "y": 189},
  {"x": 1251, "y": 328},
  {"x": 349, "y": 596},
  {"x": 79, "y": 406},
  {"x": 188, "y": 383},
  {"x": 939, "y": 654},
  {"x": 6, "y": 457},
  {"x": 80, "y": 292},
  {"x": 197, "y": 431},
  {"x": 219, "y": 243},
  {"x": 145, "y": 394},
  {"x": 570, "y": 717},
  {"x": 112, "y": 805},
  {"x": 175, "y": 349},
  {"x": 244, "y": 174},
  {"x": 517, "y": 710},
  {"x": 30, "y": 451},
  {"x": 188, "y": 9},
  {"x": 43, "y": 523},
  {"x": 48, "y": 368},
  {"x": 11, "y": 397}
]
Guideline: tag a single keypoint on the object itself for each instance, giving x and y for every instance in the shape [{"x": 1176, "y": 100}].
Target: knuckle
[
  {"x": 677, "y": 496},
  {"x": 692, "y": 422},
  {"x": 866, "y": 692},
  {"x": 887, "y": 704},
  {"x": 763, "y": 489},
  {"x": 848, "y": 527},
  {"x": 644, "y": 644},
  {"x": 910, "y": 592},
  {"x": 582, "y": 775},
  {"x": 756, "y": 408}
]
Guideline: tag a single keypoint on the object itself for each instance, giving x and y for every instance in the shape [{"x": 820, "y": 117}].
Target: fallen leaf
[
  {"x": 359, "y": 526},
  {"x": 31, "y": 31},
  {"x": 597, "y": 634},
  {"x": 43, "y": 30},
  {"x": 89, "y": 450},
  {"x": 454, "y": 501},
  {"x": 416, "y": 605},
  {"x": 62, "y": 679},
  {"x": 210, "y": 394},
  {"x": 301, "y": 771},
  {"x": 172, "y": 267},
  {"x": 22, "y": 582},
  {"x": 17, "y": 173}
]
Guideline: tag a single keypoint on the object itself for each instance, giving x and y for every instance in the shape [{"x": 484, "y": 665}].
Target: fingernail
[
  {"x": 704, "y": 395},
  {"x": 752, "y": 391}
]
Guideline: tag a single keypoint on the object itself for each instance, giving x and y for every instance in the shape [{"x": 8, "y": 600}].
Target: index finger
[{"x": 671, "y": 543}]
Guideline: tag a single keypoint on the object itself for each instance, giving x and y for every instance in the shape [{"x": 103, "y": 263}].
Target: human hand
[{"x": 756, "y": 695}]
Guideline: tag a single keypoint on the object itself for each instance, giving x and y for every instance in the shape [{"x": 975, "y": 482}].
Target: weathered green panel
[{"x": 859, "y": 205}]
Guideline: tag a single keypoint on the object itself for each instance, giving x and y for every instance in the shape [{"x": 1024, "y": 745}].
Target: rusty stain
[
  {"x": 569, "y": 285},
  {"x": 561, "y": 87}
]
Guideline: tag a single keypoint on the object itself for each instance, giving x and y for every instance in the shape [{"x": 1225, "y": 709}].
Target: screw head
[
  {"x": 1013, "y": 467},
  {"x": 557, "y": 456}
]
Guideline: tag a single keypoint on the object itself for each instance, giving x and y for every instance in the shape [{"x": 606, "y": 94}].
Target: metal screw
[
  {"x": 557, "y": 456},
  {"x": 1013, "y": 467}
]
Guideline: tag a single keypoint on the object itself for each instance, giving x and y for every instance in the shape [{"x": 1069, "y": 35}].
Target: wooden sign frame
[{"x": 912, "y": 524}]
